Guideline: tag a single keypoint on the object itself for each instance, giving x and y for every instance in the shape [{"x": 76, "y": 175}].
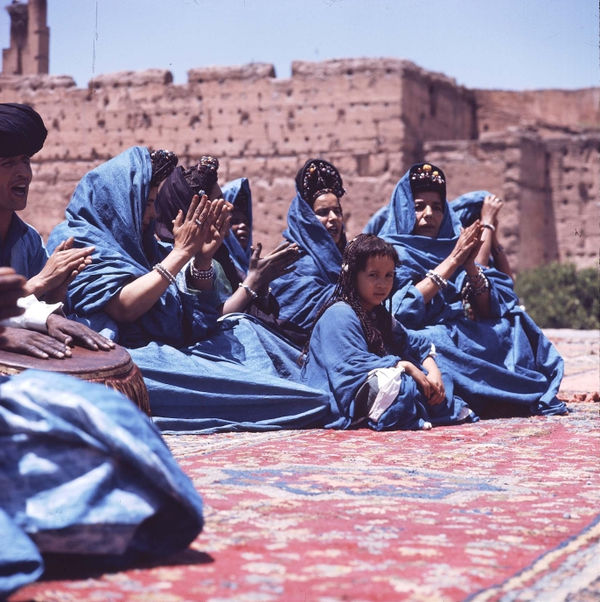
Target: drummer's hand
[
  {"x": 30, "y": 342},
  {"x": 70, "y": 332},
  {"x": 11, "y": 289}
]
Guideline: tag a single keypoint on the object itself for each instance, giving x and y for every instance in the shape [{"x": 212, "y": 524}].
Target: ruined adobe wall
[
  {"x": 548, "y": 111},
  {"x": 365, "y": 115},
  {"x": 371, "y": 117},
  {"x": 551, "y": 190}
]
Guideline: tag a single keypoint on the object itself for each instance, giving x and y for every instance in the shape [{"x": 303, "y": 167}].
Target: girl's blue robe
[
  {"x": 202, "y": 376},
  {"x": 302, "y": 292},
  {"x": 501, "y": 365},
  {"x": 84, "y": 472},
  {"x": 339, "y": 361},
  {"x": 239, "y": 256}
]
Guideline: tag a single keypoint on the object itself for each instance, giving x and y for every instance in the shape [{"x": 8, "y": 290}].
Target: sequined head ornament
[
  {"x": 426, "y": 176},
  {"x": 317, "y": 177},
  {"x": 163, "y": 163}
]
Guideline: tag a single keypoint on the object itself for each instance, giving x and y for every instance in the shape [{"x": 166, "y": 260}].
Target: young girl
[{"x": 374, "y": 370}]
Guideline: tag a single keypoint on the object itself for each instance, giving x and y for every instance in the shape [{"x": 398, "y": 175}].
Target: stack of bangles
[
  {"x": 253, "y": 294},
  {"x": 162, "y": 270},
  {"x": 476, "y": 285},
  {"x": 201, "y": 274},
  {"x": 438, "y": 280}
]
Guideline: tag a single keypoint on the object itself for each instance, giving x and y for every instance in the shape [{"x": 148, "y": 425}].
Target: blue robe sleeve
[
  {"x": 339, "y": 361},
  {"x": 302, "y": 293}
]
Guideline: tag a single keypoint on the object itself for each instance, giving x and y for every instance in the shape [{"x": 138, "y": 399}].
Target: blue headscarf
[
  {"x": 106, "y": 212},
  {"x": 231, "y": 193},
  {"x": 302, "y": 292},
  {"x": 468, "y": 206}
]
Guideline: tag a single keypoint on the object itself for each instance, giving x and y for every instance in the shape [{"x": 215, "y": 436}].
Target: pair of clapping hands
[
  {"x": 62, "y": 332},
  {"x": 200, "y": 232}
]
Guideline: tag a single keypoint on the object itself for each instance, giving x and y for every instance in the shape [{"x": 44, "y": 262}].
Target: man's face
[{"x": 15, "y": 177}]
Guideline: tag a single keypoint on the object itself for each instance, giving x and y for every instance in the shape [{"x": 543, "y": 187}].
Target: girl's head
[
  {"x": 367, "y": 273},
  {"x": 178, "y": 189},
  {"x": 365, "y": 281},
  {"x": 320, "y": 185},
  {"x": 163, "y": 164}
]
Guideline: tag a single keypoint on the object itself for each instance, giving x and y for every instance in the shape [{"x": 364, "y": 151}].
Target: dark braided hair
[{"x": 377, "y": 325}]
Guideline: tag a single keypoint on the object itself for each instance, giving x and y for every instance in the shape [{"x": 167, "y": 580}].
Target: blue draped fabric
[
  {"x": 468, "y": 206},
  {"x": 339, "y": 361},
  {"x": 23, "y": 249},
  {"x": 376, "y": 221},
  {"x": 194, "y": 368},
  {"x": 500, "y": 365},
  {"x": 302, "y": 292},
  {"x": 239, "y": 256},
  {"x": 83, "y": 471}
]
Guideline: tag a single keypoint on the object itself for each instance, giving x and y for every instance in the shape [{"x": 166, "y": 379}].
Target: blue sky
[{"x": 505, "y": 44}]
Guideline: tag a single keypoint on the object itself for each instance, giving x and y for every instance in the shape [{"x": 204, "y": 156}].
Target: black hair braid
[{"x": 377, "y": 325}]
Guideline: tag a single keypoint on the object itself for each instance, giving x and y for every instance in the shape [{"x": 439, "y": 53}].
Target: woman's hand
[
  {"x": 263, "y": 270},
  {"x": 191, "y": 232},
  {"x": 490, "y": 209},
  {"x": 468, "y": 243},
  {"x": 60, "y": 269},
  {"x": 220, "y": 221}
]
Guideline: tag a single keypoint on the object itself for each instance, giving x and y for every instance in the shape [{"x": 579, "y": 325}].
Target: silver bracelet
[
  {"x": 201, "y": 274},
  {"x": 490, "y": 226},
  {"x": 252, "y": 293},
  {"x": 162, "y": 270},
  {"x": 438, "y": 280}
]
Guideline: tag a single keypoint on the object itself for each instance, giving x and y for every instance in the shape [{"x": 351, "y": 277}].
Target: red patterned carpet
[{"x": 498, "y": 510}]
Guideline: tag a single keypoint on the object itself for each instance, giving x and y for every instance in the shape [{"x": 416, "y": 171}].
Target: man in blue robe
[{"x": 22, "y": 134}]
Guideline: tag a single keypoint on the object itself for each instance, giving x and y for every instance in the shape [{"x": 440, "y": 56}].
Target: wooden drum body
[{"x": 113, "y": 368}]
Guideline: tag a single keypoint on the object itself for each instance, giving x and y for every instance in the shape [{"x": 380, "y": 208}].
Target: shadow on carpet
[{"x": 498, "y": 510}]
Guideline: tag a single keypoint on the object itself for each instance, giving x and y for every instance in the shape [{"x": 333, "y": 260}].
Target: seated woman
[
  {"x": 160, "y": 303},
  {"x": 316, "y": 224},
  {"x": 237, "y": 290},
  {"x": 377, "y": 373},
  {"x": 83, "y": 473},
  {"x": 500, "y": 360},
  {"x": 485, "y": 206}
]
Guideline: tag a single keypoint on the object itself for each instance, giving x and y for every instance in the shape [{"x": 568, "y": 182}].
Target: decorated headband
[
  {"x": 425, "y": 176},
  {"x": 318, "y": 177},
  {"x": 163, "y": 164}
]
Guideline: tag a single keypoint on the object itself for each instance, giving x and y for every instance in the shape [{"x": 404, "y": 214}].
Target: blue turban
[{"x": 22, "y": 130}]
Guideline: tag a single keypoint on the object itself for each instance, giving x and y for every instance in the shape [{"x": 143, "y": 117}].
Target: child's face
[{"x": 375, "y": 282}]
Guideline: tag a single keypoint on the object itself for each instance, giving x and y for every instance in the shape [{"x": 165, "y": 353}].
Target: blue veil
[
  {"x": 302, "y": 292},
  {"x": 501, "y": 365},
  {"x": 239, "y": 255}
]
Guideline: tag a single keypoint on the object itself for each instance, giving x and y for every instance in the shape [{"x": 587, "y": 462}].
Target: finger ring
[{"x": 198, "y": 222}]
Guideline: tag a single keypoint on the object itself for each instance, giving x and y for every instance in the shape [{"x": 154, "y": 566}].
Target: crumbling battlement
[{"x": 371, "y": 117}]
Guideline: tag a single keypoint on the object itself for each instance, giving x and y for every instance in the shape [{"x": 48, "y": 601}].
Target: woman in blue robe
[
  {"x": 501, "y": 362},
  {"x": 83, "y": 472},
  {"x": 483, "y": 205},
  {"x": 239, "y": 239},
  {"x": 377, "y": 372},
  {"x": 315, "y": 223},
  {"x": 201, "y": 376}
]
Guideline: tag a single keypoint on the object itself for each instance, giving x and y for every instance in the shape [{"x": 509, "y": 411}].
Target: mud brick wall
[{"x": 371, "y": 117}]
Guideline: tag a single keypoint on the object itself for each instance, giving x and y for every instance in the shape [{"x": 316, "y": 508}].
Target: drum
[{"x": 113, "y": 368}]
